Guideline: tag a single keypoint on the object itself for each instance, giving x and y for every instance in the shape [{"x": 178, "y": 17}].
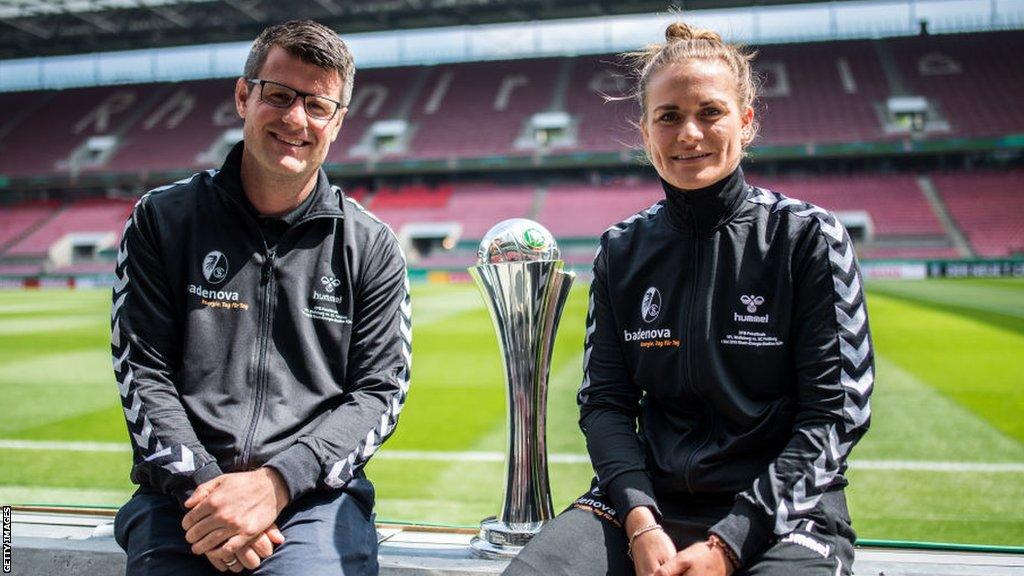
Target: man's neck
[{"x": 274, "y": 196}]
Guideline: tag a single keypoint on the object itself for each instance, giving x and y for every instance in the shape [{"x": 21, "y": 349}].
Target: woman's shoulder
[{"x": 625, "y": 230}]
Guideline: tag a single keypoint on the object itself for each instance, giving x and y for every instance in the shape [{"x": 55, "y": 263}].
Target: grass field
[{"x": 944, "y": 460}]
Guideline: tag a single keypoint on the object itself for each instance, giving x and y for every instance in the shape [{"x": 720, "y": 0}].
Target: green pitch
[{"x": 944, "y": 460}]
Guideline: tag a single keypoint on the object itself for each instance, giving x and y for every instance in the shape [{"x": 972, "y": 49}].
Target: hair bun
[{"x": 683, "y": 32}]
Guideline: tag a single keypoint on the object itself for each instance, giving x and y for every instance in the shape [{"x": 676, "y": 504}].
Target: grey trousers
[
  {"x": 587, "y": 541},
  {"x": 325, "y": 533}
]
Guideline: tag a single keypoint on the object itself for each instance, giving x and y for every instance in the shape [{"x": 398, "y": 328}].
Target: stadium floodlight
[{"x": 525, "y": 289}]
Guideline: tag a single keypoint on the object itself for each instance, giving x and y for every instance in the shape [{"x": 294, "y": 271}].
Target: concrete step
[{"x": 82, "y": 543}]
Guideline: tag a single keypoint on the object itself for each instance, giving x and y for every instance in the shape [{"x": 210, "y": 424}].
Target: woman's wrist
[
  {"x": 732, "y": 562},
  {"x": 637, "y": 518}
]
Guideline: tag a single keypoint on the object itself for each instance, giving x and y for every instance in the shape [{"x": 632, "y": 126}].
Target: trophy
[{"x": 525, "y": 289}]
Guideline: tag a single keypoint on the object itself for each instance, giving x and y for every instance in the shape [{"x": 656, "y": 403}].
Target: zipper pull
[{"x": 268, "y": 266}]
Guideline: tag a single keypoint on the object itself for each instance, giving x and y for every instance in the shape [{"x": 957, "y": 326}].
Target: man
[{"x": 261, "y": 340}]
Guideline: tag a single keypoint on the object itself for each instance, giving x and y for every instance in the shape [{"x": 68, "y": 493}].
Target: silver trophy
[{"x": 522, "y": 282}]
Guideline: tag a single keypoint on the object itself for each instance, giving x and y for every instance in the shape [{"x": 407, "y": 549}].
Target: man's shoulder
[
  {"x": 181, "y": 192},
  {"x": 362, "y": 221}
]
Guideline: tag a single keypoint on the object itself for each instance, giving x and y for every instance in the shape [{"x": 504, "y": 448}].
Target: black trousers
[{"x": 588, "y": 540}]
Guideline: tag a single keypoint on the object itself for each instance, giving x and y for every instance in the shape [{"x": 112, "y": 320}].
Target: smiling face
[
  {"x": 285, "y": 143},
  {"x": 694, "y": 129}
]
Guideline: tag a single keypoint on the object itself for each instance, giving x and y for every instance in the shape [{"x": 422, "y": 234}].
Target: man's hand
[
  {"x": 650, "y": 549},
  {"x": 699, "y": 559},
  {"x": 251, "y": 555},
  {"x": 230, "y": 512}
]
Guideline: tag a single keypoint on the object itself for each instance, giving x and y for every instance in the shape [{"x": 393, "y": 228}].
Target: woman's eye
[
  {"x": 712, "y": 111},
  {"x": 668, "y": 117}
]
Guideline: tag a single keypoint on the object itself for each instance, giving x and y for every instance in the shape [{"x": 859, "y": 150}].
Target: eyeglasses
[{"x": 280, "y": 96}]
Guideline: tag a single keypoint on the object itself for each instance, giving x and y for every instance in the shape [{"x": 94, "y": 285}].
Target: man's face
[{"x": 285, "y": 142}]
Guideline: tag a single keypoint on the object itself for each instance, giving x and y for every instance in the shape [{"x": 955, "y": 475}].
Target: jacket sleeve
[
  {"x": 834, "y": 366},
  {"x": 379, "y": 363},
  {"x": 146, "y": 347},
  {"x": 609, "y": 403}
]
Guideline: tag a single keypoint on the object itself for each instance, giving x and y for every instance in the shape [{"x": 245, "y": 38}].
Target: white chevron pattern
[
  {"x": 140, "y": 429},
  {"x": 856, "y": 379},
  {"x": 340, "y": 472}
]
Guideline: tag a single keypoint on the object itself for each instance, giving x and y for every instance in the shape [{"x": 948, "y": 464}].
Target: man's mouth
[
  {"x": 289, "y": 141},
  {"x": 694, "y": 156}
]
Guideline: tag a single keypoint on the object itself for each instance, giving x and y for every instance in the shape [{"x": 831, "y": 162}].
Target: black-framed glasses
[{"x": 282, "y": 96}]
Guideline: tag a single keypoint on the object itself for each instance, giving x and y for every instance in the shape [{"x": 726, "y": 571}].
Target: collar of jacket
[
  {"x": 326, "y": 201},
  {"x": 705, "y": 208}
]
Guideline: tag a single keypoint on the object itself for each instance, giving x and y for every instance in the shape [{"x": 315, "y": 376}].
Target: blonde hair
[{"x": 685, "y": 42}]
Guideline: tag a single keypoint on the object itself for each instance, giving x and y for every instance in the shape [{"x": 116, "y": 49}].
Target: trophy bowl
[{"x": 517, "y": 240}]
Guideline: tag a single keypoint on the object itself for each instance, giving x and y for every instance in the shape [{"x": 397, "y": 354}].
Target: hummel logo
[
  {"x": 330, "y": 283},
  {"x": 752, "y": 302}
]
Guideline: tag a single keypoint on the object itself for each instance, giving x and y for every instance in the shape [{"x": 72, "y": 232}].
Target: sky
[{"x": 759, "y": 25}]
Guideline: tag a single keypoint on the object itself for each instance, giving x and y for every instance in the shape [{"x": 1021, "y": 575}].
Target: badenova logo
[
  {"x": 752, "y": 302},
  {"x": 646, "y": 334},
  {"x": 215, "y": 267},
  {"x": 212, "y": 294},
  {"x": 650, "y": 306}
]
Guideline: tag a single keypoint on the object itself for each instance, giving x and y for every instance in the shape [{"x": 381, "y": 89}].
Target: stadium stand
[
  {"x": 43, "y": 139},
  {"x": 379, "y": 94},
  {"x": 476, "y": 207},
  {"x": 480, "y": 108},
  {"x": 574, "y": 211},
  {"x": 830, "y": 92},
  {"x": 895, "y": 202},
  {"x": 83, "y": 216},
  {"x": 174, "y": 132},
  {"x": 22, "y": 218},
  {"x": 988, "y": 208},
  {"x": 973, "y": 78},
  {"x": 825, "y": 94},
  {"x": 601, "y": 126}
]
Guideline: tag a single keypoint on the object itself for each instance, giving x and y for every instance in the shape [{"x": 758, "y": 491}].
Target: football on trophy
[{"x": 517, "y": 240}]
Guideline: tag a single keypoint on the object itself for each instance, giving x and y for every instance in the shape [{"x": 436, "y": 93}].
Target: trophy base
[{"x": 500, "y": 541}]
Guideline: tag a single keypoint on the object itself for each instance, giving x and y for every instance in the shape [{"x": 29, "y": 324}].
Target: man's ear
[
  {"x": 241, "y": 96},
  {"x": 340, "y": 117}
]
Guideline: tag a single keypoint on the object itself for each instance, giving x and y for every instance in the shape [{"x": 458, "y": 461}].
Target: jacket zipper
[
  {"x": 263, "y": 336},
  {"x": 688, "y": 466},
  {"x": 262, "y": 340}
]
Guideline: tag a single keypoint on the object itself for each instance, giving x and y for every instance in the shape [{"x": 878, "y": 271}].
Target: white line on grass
[{"x": 471, "y": 456}]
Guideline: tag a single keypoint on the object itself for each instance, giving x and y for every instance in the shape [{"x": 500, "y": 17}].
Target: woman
[{"x": 727, "y": 357}]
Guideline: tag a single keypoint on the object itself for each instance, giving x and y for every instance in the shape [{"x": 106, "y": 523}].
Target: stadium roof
[{"x": 52, "y": 27}]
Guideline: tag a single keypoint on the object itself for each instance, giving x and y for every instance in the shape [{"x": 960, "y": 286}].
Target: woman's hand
[
  {"x": 651, "y": 549},
  {"x": 699, "y": 559}
]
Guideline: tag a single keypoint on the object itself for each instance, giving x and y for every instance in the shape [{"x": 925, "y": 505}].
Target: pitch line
[{"x": 451, "y": 456}]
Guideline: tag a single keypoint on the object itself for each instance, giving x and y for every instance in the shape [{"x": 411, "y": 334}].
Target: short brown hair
[
  {"x": 684, "y": 42},
  {"x": 310, "y": 42}
]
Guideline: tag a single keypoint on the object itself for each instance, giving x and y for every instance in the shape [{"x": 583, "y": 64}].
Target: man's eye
[
  {"x": 318, "y": 108},
  {"x": 277, "y": 98}
]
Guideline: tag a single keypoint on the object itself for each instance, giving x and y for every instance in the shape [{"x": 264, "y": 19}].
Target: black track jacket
[
  {"x": 230, "y": 355},
  {"x": 727, "y": 351}
]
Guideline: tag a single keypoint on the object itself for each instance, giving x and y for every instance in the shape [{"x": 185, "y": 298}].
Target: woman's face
[{"x": 694, "y": 129}]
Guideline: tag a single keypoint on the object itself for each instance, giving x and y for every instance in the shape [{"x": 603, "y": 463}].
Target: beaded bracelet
[
  {"x": 715, "y": 542},
  {"x": 639, "y": 531}
]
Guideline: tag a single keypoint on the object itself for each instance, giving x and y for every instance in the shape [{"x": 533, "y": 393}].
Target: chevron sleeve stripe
[
  {"x": 343, "y": 470},
  {"x": 838, "y": 406},
  {"x": 166, "y": 451}
]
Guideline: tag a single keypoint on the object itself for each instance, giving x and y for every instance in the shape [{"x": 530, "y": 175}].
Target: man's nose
[{"x": 296, "y": 113}]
